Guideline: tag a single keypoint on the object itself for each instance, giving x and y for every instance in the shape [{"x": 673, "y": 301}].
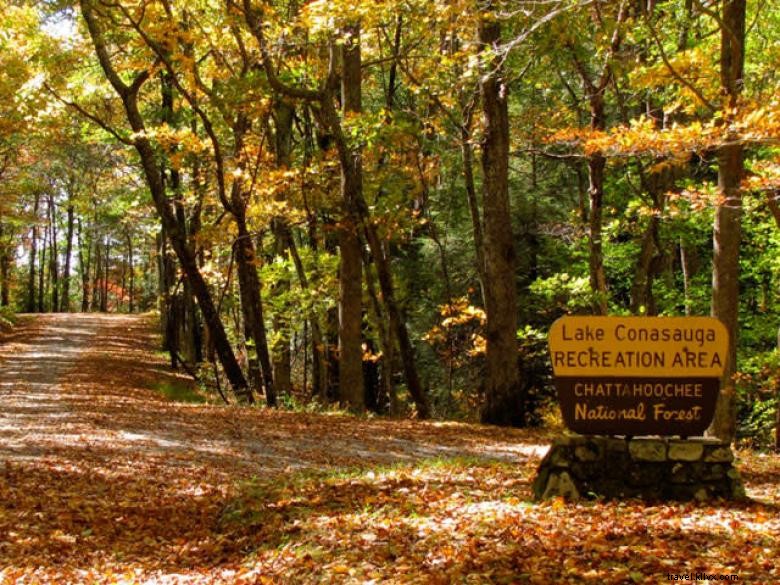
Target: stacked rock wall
[{"x": 646, "y": 467}]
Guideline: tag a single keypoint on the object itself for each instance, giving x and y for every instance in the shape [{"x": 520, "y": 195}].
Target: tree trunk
[
  {"x": 65, "y": 298},
  {"x": 96, "y": 286},
  {"x": 642, "y": 287},
  {"x": 358, "y": 216},
  {"x": 166, "y": 270},
  {"x": 351, "y": 386},
  {"x": 283, "y": 118},
  {"x": 773, "y": 201},
  {"x": 728, "y": 217},
  {"x": 504, "y": 404},
  {"x": 191, "y": 351},
  {"x": 282, "y": 357},
  {"x": 120, "y": 300},
  {"x": 596, "y": 167}
]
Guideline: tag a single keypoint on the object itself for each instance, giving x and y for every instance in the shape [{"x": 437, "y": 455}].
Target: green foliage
[
  {"x": 538, "y": 391},
  {"x": 758, "y": 386},
  {"x": 562, "y": 294}
]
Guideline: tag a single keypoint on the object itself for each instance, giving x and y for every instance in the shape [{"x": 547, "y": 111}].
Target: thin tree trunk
[
  {"x": 595, "y": 89},
  {"x": 84, "y": 268},
  {"x": 385, "y": 339},
  {"x": 106, "y": 268},
  {"x": 467, "y": 156},
  {"x": 169, "y": 325},
  {"x": 5, "y": 271},
  {"x": 53, "y": 257},
  {"x": 252, "y": 307},
  {"x": 131, "y": 303},
  {"x": 122, "y": 284},
  {"x": 96, "y": 286},
  {"x": 65, "y": 298},
  {"x": 686, "y": 273},
  {"x": 42, "y": 290},
  {"x": 33, "y": 252},
  {"x": 596, "y": 167},
  {"x": 319, "y": 340},
  {"x": 319, "y": 371},
  {"x": 397, "y": 323},
  {"x": 503, "y": 401}
]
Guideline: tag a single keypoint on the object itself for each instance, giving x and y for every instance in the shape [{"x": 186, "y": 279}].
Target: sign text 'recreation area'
[{"x": 638, "y": 375}]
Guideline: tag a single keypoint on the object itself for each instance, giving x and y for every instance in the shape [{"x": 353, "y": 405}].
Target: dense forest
[{"x": 383, "y": 206}]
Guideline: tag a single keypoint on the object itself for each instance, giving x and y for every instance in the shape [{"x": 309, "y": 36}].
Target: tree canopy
[{"x": 385, "y": 205}]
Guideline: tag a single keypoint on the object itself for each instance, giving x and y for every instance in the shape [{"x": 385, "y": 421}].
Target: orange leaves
[
  {"x": 466, "y": 521},
  {"x": 765, "y": 176},
  {"x": 752, "y": 123},
  {"x": 459, "y": 330},
  {"x": 758, "y": 122},
  {"x": 104, "y": 482},
  {"x": 641, "y": 138}
]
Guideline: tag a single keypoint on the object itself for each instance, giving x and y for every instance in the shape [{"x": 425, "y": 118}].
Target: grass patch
[
  {"x": 376, "y": 523},
  {"x": 385, "y": 489},
  {"x": 179, "y": 392}
]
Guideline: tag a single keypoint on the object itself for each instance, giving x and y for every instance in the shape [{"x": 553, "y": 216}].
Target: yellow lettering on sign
[{"x": 677, "y": 347}]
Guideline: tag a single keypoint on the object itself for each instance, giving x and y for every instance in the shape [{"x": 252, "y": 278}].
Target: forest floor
[{"x": 104, "y": 479}]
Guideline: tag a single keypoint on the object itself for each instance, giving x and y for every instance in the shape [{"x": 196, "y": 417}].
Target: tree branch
[
  {"x": 255, "y": 23},
  {"x": 674, "y": 72},
  {"x": 97, "y": 120}
]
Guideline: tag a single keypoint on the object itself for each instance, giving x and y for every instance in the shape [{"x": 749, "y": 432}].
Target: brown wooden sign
[{"x": 638, "y": 375}]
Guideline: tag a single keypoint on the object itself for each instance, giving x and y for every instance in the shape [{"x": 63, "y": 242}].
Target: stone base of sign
[{"x": 579, "y": 466}]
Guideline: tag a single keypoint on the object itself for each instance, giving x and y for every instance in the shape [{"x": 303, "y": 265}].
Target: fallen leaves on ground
[{"x": 103, "y": 480}]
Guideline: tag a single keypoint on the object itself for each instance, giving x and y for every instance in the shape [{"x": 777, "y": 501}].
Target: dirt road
[{"x": 100, "y": 472}]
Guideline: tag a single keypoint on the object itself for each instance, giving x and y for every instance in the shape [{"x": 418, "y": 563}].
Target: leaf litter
[{"x": 104, "y": 480}]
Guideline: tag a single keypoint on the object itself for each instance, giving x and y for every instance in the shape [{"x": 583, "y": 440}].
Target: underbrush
[
  {"x": 180, "y": 391},
  {"x": 7, "y": 318}
]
